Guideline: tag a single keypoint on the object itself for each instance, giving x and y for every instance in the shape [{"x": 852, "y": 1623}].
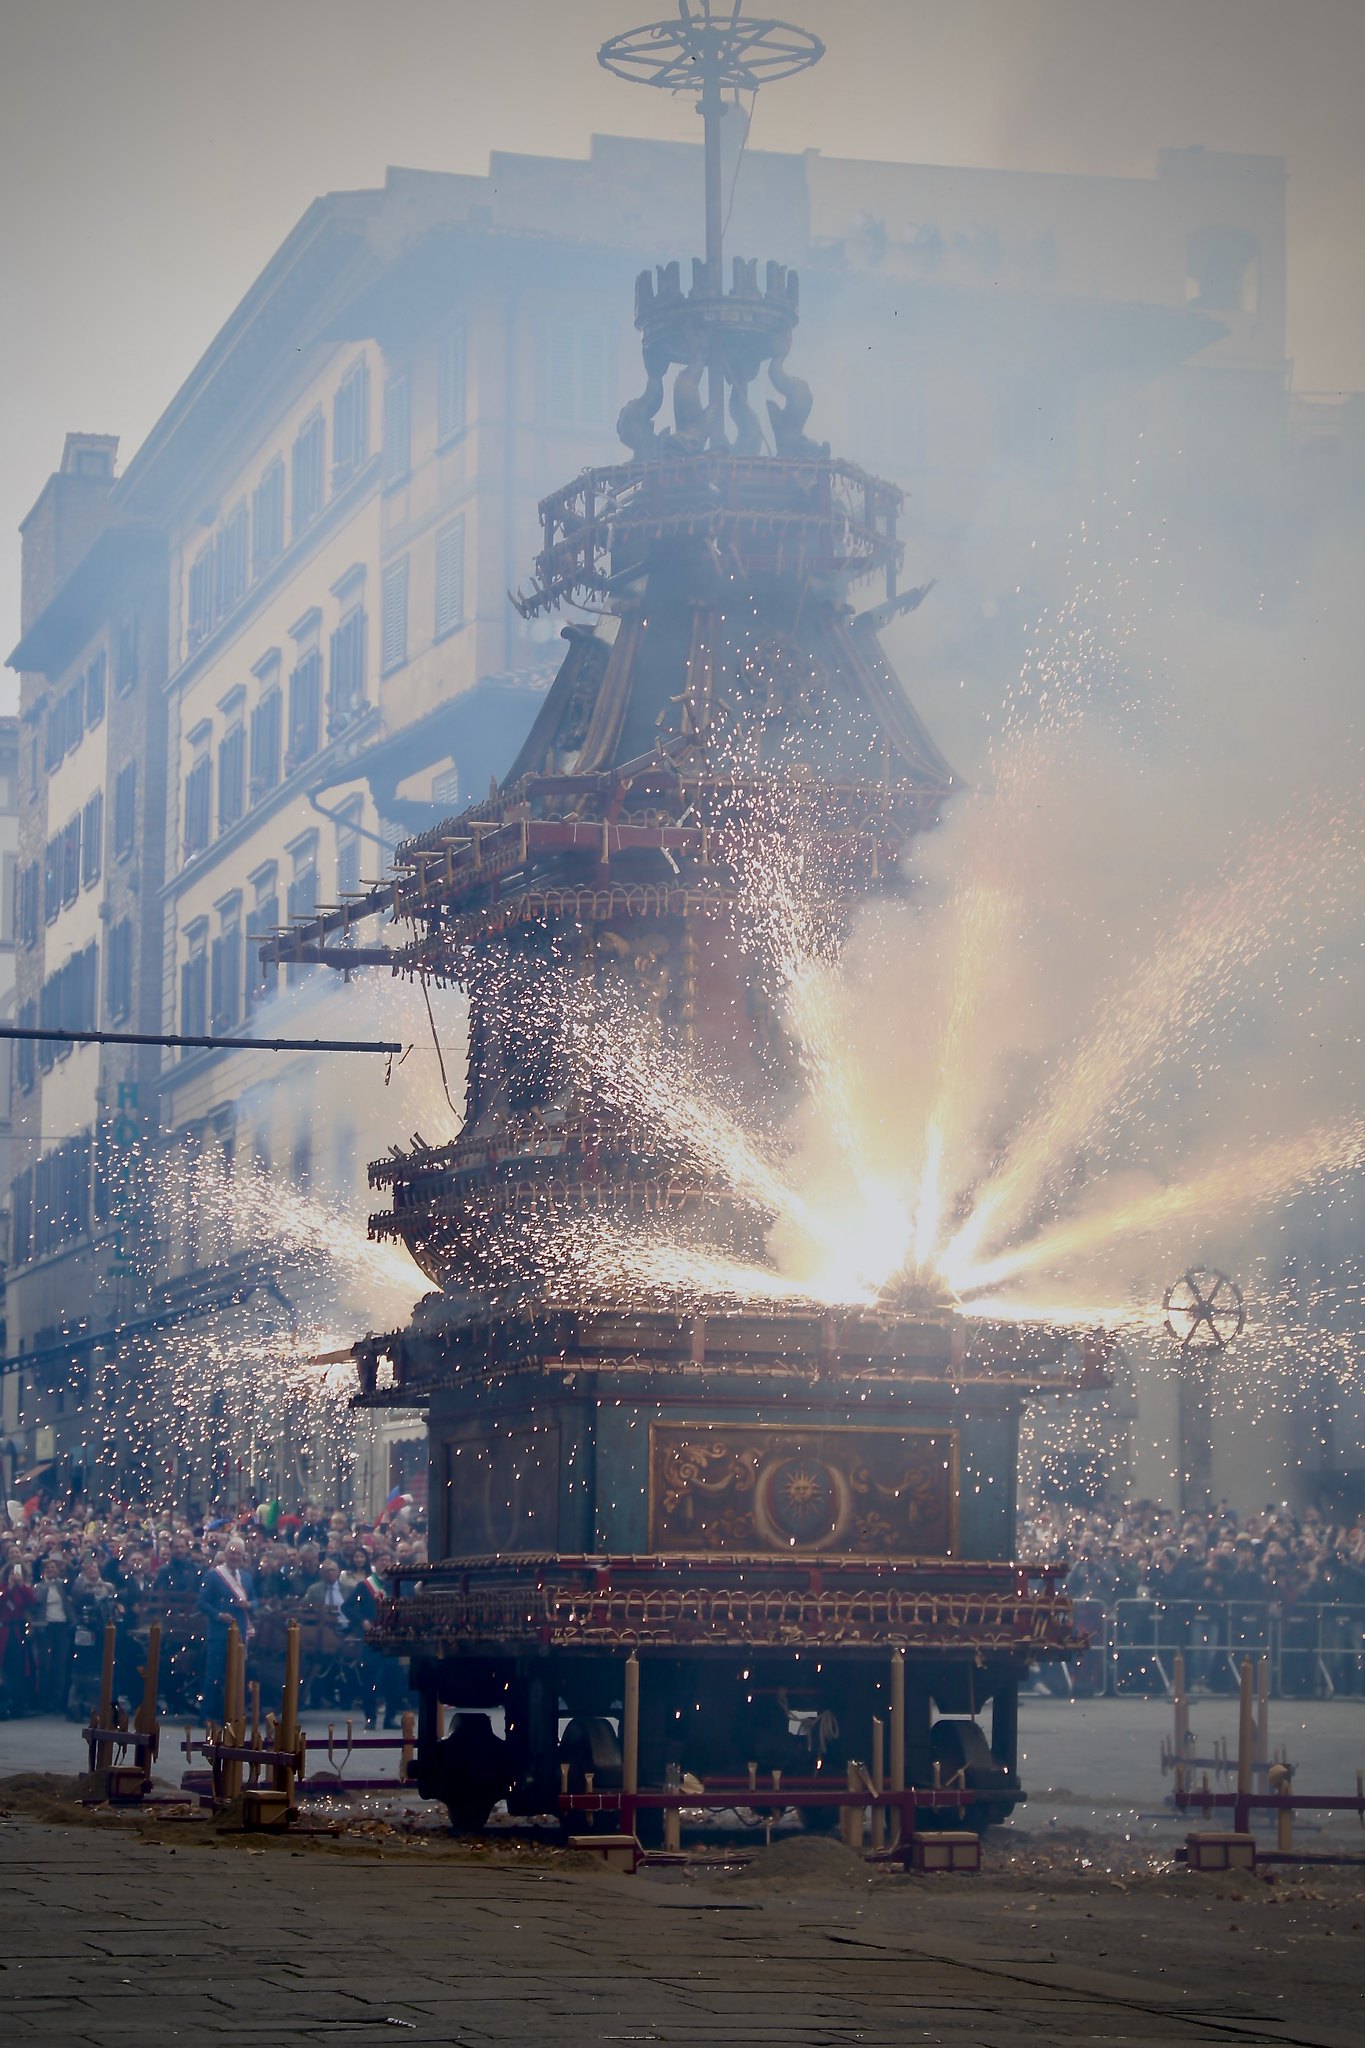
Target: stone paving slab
[{"x": 109, "y": 1942}]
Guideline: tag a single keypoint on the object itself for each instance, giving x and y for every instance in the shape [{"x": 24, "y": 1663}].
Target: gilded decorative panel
[{"x": 845, "y": 1490}]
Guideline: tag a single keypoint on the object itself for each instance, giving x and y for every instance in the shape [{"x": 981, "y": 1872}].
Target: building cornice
[
  {"x": 286, "y": 308},
  {"x": 98, "y": 585}
]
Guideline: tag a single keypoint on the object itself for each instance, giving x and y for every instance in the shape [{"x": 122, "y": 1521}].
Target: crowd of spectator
[
  {"x": 1273, "y": 1557},
  {"x": 66, "y": 1570}
]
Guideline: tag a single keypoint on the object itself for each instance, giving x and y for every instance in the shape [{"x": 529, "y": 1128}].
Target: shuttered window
[
  {"x": 126, "y": 657},
  {"x": 125, "y": 810},
  {"x": 225, "y": 979},
  {"x": 265, "y": 745},
  {"x": 194, "y": 989},
  {"x": 348, "y": 847},
  {"x": 231, "y": 777},
  {"x": 229, "y": 563},
  {"x": 397, "y": 429},
  {"x": 309, "y": 471},
  {"x": 198, "y": 806},
  {"x": 305, "y": 710},
  {"x": 27, "y": 909},
  {"x": 301, "y": 899},
  {"x": 200, "y": 619},
  {"x": 71, "y": 860},
  {"x": 267, "y": 518},
  {"x": 26, "y": 1052},
  {"x": 394, "y": 633},
  {"x": 92, "y": 839},
  {"x": 94, "y": 691},
  {"x": 450, "y": 384},
  {"x": 346, "y": 674},
  {"x": 52, "y": 879},
  {"x": 351, "y": 424},
  {"x": 450, "y": 578},
  {"x": 118, "y": 986},
  {"x": 261, "y": 976}
]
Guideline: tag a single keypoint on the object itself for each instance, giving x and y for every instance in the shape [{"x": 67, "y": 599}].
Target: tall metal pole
[
  {"x": 712, "y": 112},
  {"x": 712, "y": 109}
]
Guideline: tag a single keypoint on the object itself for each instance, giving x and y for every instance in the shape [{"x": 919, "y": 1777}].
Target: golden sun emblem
[{"x": 803, "y": 1488}]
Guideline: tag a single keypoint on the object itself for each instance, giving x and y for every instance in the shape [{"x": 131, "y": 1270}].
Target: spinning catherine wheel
[
  {"x": 1204, "y": 1310},
  {"x": 711, "y": 50},
  {"x": 711, "y": 47}
]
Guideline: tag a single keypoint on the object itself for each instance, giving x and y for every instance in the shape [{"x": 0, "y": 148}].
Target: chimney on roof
[
  {"x": 91, "y": 455},
  {"x": 71, "y": 511}
]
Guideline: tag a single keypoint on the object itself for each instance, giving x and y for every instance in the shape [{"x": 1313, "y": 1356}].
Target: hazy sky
[{"x": 155, "y": 152}]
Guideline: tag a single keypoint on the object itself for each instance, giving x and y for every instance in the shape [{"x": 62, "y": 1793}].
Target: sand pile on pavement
[
  {"x": 43, "y": 1795},
  {"x": 816, "y": 1863}
]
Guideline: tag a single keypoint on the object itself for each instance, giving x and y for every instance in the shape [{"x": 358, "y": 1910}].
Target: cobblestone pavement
[{"x": 117, "y": 1941}]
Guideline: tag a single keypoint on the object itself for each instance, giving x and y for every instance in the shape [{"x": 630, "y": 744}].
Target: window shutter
[
  {"x": 94, "y": 691},
  {"x": 261, "y": 978},
  {"x": 360, "y": 423},
  {"x": 395, "y": 615},
  {"x": 200, "y": 597},
  {"x": 308, "y": 459},
  {"x": 52, "y": 879},
  {"x": 397, "y": 428},
  {"x": 71, "y": 860},
  {"x": 267, "y": 519},
  {"x": 119, "y": 971},
  {"x": 346, "y": 672},
  {"x": 305, "y": 705},
  {"x": 198, "y": 798},
  {"x": 225, "y": 980},
  {"x": 92, "y": 839},
  {"x": 450, "y": 578},
  {"x": 450, "y": 384},
  {"x": 231, "y": 764},
  {"x": 265, "y": 745},
  {"x": 125, "y": 666},
  {"x": 125, "y": 809}
]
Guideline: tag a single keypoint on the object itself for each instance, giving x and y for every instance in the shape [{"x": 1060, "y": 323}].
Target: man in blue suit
[{"x": 228, "y": 1594}]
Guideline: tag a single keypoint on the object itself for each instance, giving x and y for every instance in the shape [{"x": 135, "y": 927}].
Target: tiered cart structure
[{"x": 766, "y": 1504}]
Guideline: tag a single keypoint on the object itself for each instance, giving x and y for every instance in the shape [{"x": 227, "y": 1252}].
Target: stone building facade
[{"x": 294, "y": 603}]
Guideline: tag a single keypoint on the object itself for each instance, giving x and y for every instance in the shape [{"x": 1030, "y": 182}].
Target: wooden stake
[
  {"x": 630, "y": 1728},
  {"x": 1180, "y": 1702},
  {"x": 287, "y": 1737},
  {"x": 852, "y": 1814},
  {"x": 878, "y": 1781},
  {"x": 254, "y": 1694},
  {"x": 104, "y": 1753},
  {"x": 1245, "y": 1747},
  {"x": 234, "y": 1709},
  {"x": 1280, "y": 1781},
  {"x": 897, "y": 1771},
  {"x": 145, "y": 1720},
  {"x": 1262, "y": 1716}
]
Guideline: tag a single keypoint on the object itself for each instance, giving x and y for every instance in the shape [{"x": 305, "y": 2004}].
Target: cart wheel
[
  {"x": 467, "y": 1772},
  {"x": 589, "y": 1744},
  {"x": 959, "y": 1745}
]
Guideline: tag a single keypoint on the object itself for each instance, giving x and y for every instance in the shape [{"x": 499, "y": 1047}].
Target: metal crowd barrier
[{"x": 1315, "y": 1652}]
